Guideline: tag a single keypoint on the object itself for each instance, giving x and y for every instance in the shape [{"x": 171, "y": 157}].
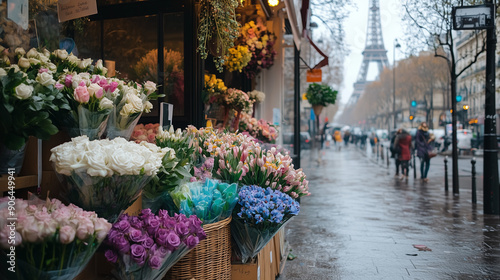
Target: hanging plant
[{"x": 218, "y": 29}]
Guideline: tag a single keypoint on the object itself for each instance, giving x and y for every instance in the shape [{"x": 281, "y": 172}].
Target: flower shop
[{"x": 115, "y": 166}]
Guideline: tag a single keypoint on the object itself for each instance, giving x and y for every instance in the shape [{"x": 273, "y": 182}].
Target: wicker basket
[{"x": 210, "y": 259}]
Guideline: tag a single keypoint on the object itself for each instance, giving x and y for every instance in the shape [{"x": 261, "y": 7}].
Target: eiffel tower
[{"x": 374, "y": 50}]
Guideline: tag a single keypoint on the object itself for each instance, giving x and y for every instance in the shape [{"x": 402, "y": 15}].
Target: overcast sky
[{"x": 391, "y": 14}]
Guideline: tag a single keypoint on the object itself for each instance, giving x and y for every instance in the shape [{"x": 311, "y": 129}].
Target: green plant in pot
[{"x": 320, "y": 96}]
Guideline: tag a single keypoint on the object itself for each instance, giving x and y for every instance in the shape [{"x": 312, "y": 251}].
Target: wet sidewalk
[{"x": 362, "y": 223}]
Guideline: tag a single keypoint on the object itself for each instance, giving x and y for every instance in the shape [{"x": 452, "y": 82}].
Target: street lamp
[{"x": 396, "y": 45}]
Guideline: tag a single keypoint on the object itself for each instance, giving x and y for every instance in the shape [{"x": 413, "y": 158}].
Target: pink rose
[
  {"x": 102, "y": 227},
  {"x": 151, "y": 138},
  {"x": 66, "y": 234},
  {"x": 68, "y": 80},
  {"x": 42, "y": 70},
  {"x": 59, "y": 86},
  {"x": 81, "y": 94},
  {"x": 85, "y": 228}
]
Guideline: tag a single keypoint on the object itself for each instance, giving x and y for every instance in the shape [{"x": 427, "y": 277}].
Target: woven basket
[{"x": 210, "y": 259}]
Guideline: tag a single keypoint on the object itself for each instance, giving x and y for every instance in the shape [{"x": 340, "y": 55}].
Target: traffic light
[
  {"x": 413, "y": 109},
  {"x": 411, "y": 118},
  {"x": 465, "y": 107},
  {"x": 459, "y": 98},
  {"x": 414, "y": 103}
]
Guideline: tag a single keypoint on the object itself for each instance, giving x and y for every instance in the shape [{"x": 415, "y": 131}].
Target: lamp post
[{"x": 396, "y": 45}]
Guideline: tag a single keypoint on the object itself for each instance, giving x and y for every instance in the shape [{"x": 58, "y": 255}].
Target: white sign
[
  {"x": 71, "y": 9},
  {"x": 473, "y": 17}
]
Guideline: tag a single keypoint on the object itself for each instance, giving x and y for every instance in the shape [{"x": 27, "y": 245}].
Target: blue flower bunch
[{"x": 265, "y": 207}]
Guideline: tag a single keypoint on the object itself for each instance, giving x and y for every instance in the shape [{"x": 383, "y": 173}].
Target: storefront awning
[{"x": 299, "y": 14}]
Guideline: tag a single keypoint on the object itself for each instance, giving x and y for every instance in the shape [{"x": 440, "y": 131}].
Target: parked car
[{"x": 439, "y": 135}]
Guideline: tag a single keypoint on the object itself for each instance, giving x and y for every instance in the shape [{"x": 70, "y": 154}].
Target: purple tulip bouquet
[
  {"x": 258, "y": 215},
  {"x": 146, "y": 246},
  {"x": 47, "y": 240}
]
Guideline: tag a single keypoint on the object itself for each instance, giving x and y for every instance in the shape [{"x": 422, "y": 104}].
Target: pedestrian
[
  {"x": 373, "y": 141},
  {"x": 403, "y": 141},
  {"x": 338, "y": 139},
  {"x": 347, "y": 135},
  {"x": 422, "y": 144},
  {"x": 395, "y": 151}
]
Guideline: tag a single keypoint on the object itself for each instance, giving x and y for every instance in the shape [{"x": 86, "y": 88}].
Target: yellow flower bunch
[
  {"x": 213, "y": 89},
  {"x": 238, "y": 58}
]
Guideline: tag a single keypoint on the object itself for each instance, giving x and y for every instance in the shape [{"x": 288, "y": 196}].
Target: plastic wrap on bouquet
[
  {"x": 121, "y": 126},
  {"x": 126, "y": 269},
  {"x": 86, "y": 122},
  {"x": 155, "y": 203},
  {"x": 251, "y": 240},
  {"x": 107, "y": 196},
  {"x": 11, "y": 159},
  {"x": 61, "y": 262}
]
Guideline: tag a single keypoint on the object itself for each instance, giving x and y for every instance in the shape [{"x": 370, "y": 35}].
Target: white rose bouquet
[
  {"x": 106, "y": 176},
  {"x": 47, "y": 239},
  {"x": 129, "y": 104},
  {"x": 90, "y": 106}
]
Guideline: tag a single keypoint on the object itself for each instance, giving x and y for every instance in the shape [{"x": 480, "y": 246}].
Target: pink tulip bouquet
[
  {"x": 146, "y": 246},
  {"x": 47, "y": 239}
]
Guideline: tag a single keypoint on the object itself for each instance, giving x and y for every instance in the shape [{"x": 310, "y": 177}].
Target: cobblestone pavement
[{"x": 363, "y": 223}]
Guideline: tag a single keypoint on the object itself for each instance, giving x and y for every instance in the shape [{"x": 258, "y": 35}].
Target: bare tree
[{"x": 430, "y": 25}]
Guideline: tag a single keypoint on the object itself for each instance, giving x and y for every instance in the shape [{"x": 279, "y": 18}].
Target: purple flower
[
  {"x": 155, "y": 262},
  {"x": 152, "y": 224},
  {"x": 136, "y": 235},
  {"x": 192, "y": 241},
  {"x": 163, "y": 213},
  {"x": 168, "y": 222},
  {"x": 136, "y": 222},
  {"x": 148, "y": 242},
  {"x": 182, "y": 229},
  {"x": 194, "y": 223},
  {"x": 122, "y": 225},
  {"x": 138, "y": 253},
  {"x": 111, "y": 256},
  {"x": 162, "y": 252},
  {"x": 173, "y": 240},
  {"x": 121, "y": 243},
  {"x": 161, "y": 236}
]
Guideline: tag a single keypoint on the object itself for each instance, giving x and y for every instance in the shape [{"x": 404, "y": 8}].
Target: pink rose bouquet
[
  {"x": 47, "y": 239},
  {"x": 261, "y": 130},
  {"x": 146, "y": 246},
  {"x": 90, "y": 99},
  {"x": 145, "y": 132}
]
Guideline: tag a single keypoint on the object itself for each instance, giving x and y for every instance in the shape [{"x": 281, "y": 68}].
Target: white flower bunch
[
  {"x": 105, "y": 158},
  {"x": 33, "y": 58},
  {"x": 170, "y": 135},
  {"x": 257, "y": 96}
]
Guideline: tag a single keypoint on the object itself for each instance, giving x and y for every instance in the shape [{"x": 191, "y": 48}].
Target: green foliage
[
  {"x": 22, "y": 118},
  {"x": 321, "y": 94},
  {"x": 217, "y": 24}
]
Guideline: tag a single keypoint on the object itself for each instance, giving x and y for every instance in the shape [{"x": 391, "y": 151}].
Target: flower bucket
[{"x": 11, "y": 159}]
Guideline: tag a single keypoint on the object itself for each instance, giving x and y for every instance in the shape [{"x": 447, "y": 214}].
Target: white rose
[
  {"x": 43, "y": 58},
  {"x": 120, "y": 161},
  {"x": 45, "y": 79},
  {"x": 24, "y": 63},
  {"x": 105, "y": 104},
  {"x": 85, "y": 63},
  {"x": 46, "y": 52},
  {"x": 34, "y": 61},
  {"x": 61, "y": 54},
  {"x": 73, "y": 59},
  {"x": 32, "y": 53},
  {"x": 75, "y": 81},
  {"x": 135, "y": 101},
  {"x": 85, "y": 76},
  {"x": 127, "y": 110},
  {"x": 24, "y": 91},
  {"x": 95, "y": 90},
  {"x": 16, "y": 68},
  {"x": 20, "y": 51},
  {"x": 2, "y": 72},
  {"x": 97, "y": 163},
  {"x": 52, "y": 67},
  {"x": 147, "y": 107},
  {"x": 99, "y": 64},
  {"x": 150, "y": 87}
]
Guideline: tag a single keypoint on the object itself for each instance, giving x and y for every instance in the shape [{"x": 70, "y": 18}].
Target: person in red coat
[{"x": 404, "y": 142}]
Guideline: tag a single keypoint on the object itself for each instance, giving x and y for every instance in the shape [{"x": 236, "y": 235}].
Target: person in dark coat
[
  {"x": 403, "y": 140},
  {"x": 422, "y": 140},
  {"x": 395, "y": 151}
]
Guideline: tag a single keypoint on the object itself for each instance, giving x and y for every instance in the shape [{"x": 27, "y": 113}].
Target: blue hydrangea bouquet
[{"x": 257, "y": 217}]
